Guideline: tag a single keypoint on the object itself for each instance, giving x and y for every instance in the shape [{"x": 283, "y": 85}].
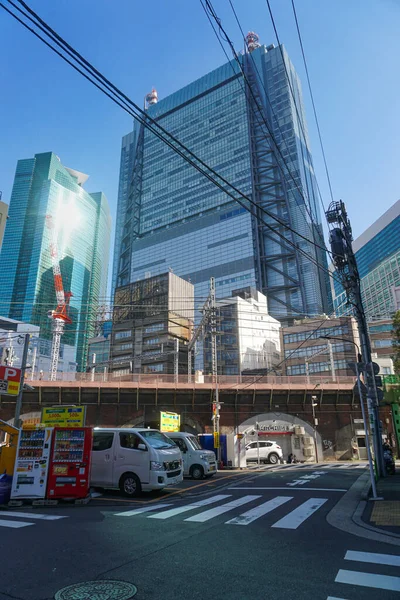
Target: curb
[{"x": 346, "y": 515}]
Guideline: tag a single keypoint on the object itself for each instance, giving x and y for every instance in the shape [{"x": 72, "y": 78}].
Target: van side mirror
[{"x": 142, "y": 447}]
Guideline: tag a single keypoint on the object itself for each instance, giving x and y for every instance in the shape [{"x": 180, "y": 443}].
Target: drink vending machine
[
  {"x": 32, "y": 463},
  {"x": 69, "y": 468}
]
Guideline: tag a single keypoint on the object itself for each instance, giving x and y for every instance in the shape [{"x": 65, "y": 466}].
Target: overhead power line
[
  {"x": 312, "y": 101},
  {"x": 293, "y": 96},
  {"x": 124, "y": 102}
]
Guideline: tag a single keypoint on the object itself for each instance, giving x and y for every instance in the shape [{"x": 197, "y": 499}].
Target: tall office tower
[
  {"x": 377, "y": 252},
  {"x": 80, "y": 224},
  {"x": 247, "y": 122},
  {"x": 3, "y": 219}
]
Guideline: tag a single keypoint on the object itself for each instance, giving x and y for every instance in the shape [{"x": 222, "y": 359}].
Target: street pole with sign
[
  {"x": 18, "y": 404},
  {"x": 313, "y": 405}
]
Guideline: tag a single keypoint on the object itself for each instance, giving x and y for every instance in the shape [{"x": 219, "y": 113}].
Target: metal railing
[{"x": 313, "y": 381}]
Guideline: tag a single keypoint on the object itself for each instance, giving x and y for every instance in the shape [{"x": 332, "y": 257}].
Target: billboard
[{"x": 170, "y": 421}]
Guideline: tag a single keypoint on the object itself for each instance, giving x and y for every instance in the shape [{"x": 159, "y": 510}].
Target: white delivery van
[
  {"x": 197, "y": 462},
  {"x": 134, "y": 460}
]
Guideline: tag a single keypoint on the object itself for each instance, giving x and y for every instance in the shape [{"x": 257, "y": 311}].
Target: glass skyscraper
[
  {"x": 44, "y": 187},
  {"x": 170, "y": 216},
  {"x": 377, "y": 252}
]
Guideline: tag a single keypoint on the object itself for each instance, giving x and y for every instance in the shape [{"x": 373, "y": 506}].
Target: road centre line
[
  {"x": 292, "y": 489},
  {"x": 372, "y": 557},
  {"x": 382, "y": 582}
]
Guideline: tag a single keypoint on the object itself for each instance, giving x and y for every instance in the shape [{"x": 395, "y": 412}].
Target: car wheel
[
  {"x": 273, "y": 458},
  {"x": 197, "y": 472},
  {"x": 130, "y": 485}
]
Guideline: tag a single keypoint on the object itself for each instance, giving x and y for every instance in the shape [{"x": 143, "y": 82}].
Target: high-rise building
[
  {"x": 308, "y": 349},
  {"x": 81, "y": 223},
  {"x": 252, "y": 131},
  {"x": 3, "y": 219},
  {"x": 248, "y": 337},
  {"x": 377, "y": 252},
  {"x": 152, "y": 325}
]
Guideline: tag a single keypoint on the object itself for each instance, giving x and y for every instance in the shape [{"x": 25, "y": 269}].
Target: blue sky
[{"x": 353, "y": 48}]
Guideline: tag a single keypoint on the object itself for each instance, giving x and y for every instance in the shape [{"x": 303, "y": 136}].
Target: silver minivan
[
  {"x": 134, "y": 460},
  {"x": 197, "y": 463}
]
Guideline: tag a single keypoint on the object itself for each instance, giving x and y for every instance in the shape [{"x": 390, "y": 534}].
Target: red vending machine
[{"x": 69, "y": 468}]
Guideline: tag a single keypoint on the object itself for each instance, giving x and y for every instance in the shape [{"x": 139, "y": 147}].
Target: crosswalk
[
  {"x": 295, "y": 514},
  {"x": 322, "y": 466},
  {"x": 17, "y": 519},
  {"x": 374, "y": 581}
]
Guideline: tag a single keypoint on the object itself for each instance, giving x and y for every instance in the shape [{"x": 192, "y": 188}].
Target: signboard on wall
[
  {"x": 10, "y": 380},
  {"x": 64, "y": 416},
  {"x": 170, "y": 421}
]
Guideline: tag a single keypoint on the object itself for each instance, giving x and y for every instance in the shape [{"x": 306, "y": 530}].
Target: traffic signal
[{"x": 374, "y": 382}]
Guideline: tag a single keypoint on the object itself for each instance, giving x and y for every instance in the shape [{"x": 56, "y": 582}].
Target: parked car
[
  {"x": 197, "y": 463},
  {"x": 134, "y": 460},
  {"x": 269, "y": 452}
]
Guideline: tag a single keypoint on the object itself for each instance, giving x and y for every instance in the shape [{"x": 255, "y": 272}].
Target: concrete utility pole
[
  {"x": 18, "y": 404},
  {"x": 314, "y": 403},
  {"x": 214, "y": 368},
  {"x": 341, "y": 239}
]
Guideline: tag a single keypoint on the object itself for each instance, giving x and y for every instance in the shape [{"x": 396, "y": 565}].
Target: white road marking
[
  {"x": 372, "y": 557},
  {"x": 300, "y": 514},
  {"x": 28, "y": 515},
  {"x": 382, "y": 582},
  {"x": 14, "y": 524},
  {"x": 334, "y": 598},
  {"x": 293, "y": 489},
  {"x": 259, "y": 511},
  {"x": 138, "y": 511},
  {"x": 220, "y": 510},
  {"x": 181, "y": 509}
]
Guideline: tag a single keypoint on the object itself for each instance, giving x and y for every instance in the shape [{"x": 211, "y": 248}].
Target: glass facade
[
  {"x": 377, "y": 289},
  {"x": 171, "y": 217},
  {"x": 42, "y": 187}
]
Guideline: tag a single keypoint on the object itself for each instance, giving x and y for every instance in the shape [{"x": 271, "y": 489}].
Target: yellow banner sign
[
  {"x": 216, "y": 439},
  {"x": 65, "y": 416},
  {"x": 170, "y": 421}
]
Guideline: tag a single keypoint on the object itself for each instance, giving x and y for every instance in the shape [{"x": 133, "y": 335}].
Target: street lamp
[{"x": 360, "y": 393}]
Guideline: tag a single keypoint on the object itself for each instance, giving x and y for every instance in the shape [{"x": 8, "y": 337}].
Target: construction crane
[{"x": 60, "y": 314}]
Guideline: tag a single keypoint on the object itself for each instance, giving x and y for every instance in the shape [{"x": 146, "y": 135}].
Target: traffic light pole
[{"x": 18, "y": 404}]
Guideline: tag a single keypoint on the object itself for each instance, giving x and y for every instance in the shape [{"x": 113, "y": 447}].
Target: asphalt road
[{"x": 261, "y": 535}]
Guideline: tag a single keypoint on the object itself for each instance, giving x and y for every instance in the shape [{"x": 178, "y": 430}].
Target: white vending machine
[{"x": 32, "y": 463}]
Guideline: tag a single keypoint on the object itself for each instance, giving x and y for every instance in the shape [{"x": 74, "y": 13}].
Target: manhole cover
[{"x": 97, "y": 590}]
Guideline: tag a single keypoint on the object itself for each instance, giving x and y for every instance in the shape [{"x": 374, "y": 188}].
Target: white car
[{"x": 269, "y": 452}]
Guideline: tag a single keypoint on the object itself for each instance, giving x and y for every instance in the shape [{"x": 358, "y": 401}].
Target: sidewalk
[{"x": 385, "y": 513}]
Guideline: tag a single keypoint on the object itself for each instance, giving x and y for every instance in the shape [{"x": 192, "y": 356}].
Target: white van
[
  {"x": 197, "y": 463},
  {"x": 134, "y": 460}
]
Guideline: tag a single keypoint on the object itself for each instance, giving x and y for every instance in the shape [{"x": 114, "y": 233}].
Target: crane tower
[{"x": 60, "y": 314}]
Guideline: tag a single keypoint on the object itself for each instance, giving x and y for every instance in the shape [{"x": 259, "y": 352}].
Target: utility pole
[
  {"x": 176, "y": 359},
  {"x": 214, "y": 368},
  {"x": 341, "y": 240},
  {"x": 18, "y": 404},
  {"x": 315, "y": 423}
]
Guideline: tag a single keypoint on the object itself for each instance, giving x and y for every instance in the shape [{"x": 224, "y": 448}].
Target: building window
[
  {"x": 119, "y": 335},
  {"x": 157, "y": 368},
  {"x": 127, "y": 346},
  {"x": 151, "y": 341},
  {"x": 121, "y": 372},
  {"x": 382, "y": 343},
  {"x": 153, "y": 328}
]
